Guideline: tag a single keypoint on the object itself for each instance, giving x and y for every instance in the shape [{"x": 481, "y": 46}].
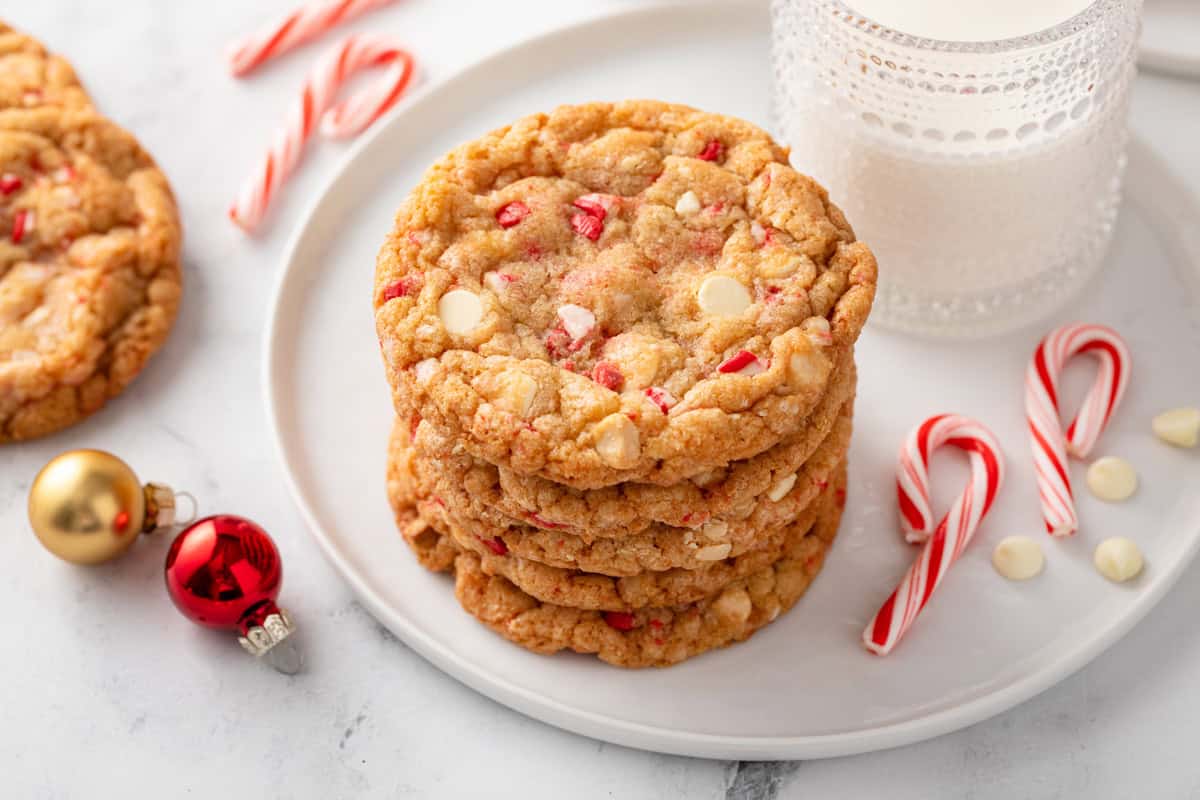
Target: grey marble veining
[{"x": 106, "y": 692}]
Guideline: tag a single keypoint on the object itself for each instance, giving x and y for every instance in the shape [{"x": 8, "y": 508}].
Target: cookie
[
  {"x": 631, "y": 508},
  {"x": 655, "y": 636},
  {"x": 89, "y": 266},
  {"x": 31, "y": 77},
  {"x": 618, "y": 292},
  {"x": 657, "y": 548}
]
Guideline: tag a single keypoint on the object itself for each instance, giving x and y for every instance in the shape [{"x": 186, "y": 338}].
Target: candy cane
[
  {"x": 337, "y": 121},
  {"x": 1052, "y": 445},
  {"x": 294, "y": 30},
  {"x": 945, "y": 542}
]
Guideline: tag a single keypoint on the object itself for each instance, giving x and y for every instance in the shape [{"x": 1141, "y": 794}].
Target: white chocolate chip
[
  {"x": 1112, "y": 479},
  {"x": 424, "y": 370},
  {"x": 804, "y": 368},
  {"x": 1118, "y": 559},
  {"x": 576, "y": 320},
  {"x": 1179, "y": 426},
  {"x": 715, "y": 530},
  {"x": 460, "y": 311},
  {"x": 781, "y": 487},
  {"x": 758, "y": 232},
  {"x": 617, "y": 441},
  {"x": 714, "y": 552},
  {"x": 721, "y": 295},
  {"x": 518, "y": 393},
  {"x": 708, "y": 477},
  {"x": 687, "y": 204},
  {"x": 1018, "y": 558},
  {"x": 818, "y": 331},
  {"x": 734, "y": 604},
  {"x": 781, "y": 267}
]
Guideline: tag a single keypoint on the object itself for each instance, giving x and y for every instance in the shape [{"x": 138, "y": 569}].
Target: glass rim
[{"x": 1071, "y": 26}]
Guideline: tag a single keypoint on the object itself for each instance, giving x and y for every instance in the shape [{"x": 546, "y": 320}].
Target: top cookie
[
  {"x": 31, "y": 77},
  {"x": 89, "y": 266},
  {"x": 615, "y": 292}
]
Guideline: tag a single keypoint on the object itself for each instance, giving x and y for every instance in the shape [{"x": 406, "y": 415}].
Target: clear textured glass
[{"x": 986, "y": 176}]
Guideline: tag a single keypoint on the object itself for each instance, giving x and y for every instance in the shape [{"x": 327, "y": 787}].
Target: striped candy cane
[
  {"x": 943, "y": 543},
  {"x": 1051, "y": 444},
  {"x": 337, "y": 120},
  {"x": 294, "y": 30}
]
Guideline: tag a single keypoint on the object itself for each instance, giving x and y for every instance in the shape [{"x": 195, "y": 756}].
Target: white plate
[
  {"x": 804, "y": 687},
  {"x": 1171, "y": 37}
]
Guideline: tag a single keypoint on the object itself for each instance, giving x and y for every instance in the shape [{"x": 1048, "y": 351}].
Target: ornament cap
[{"x": 263, "y": 631}]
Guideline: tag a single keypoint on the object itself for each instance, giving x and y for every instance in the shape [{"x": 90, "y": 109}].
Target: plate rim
[{"x": 600, "y": 726}]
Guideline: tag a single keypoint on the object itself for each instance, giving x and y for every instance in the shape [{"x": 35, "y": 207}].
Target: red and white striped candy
[
  {"x": 339, "y": 120},
  {"x": 1051, "y": 444},
  {"x": 294, "y": 30},
  {"x": 944, "y": 543}
]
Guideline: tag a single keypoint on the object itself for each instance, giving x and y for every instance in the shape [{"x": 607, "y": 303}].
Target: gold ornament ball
[{"x": 87, "y": 506}]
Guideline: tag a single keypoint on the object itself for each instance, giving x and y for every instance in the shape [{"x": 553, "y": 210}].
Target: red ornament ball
[{"x": 224, "y": 572}]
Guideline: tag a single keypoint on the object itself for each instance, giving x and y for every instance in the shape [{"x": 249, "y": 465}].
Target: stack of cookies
[
  {"x": 620, "y": 343},
  {"x": 90, "y": 278}
]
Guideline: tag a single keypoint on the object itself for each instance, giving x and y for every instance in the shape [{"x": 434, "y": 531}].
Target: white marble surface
[{"x": 107, "y": 692}]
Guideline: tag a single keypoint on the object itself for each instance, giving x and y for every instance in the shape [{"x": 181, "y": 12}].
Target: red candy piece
[
  {"x": 587, "y": 225},
  {"x": 542, "y": 522},
  {"x": 22, "y": 221},
  {"x": 10, "y": 183},
  {"x": 712, "y": 151},
  {"x": 621, "y": 620},
  {"x": 496, "y": 545},
  {"x": 607, "y": 375},
  {"x": 512, "y": 213},
  {"x": 558, "y": 342},
  {"x": 402, "y": 288},
  {"x": 661, "y": 398},
  {"x": 593, "y": 205},
  {"x": 738, "y": 362}
]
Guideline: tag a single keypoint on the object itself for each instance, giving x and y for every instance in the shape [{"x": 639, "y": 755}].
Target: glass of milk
[{"x": 976, "y": 145}]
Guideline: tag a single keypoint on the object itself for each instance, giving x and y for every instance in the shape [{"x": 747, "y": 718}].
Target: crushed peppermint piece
[
  {"x": 512, "y": 213},
  {"x": 620, "y": 620},
  {"x": 587, "y": 225},
  {"x": 495, "y": 544},
  {"x": 598, "y": 205},
  {"x": 743, "y": 363},
  {"x": 402, "y": 288},
  {"x": 608, "y": 375},
  {"x": 498, "y": 281},
  {"x": 542, "y": 522},
  {"x": 758, "y": 232},
  {"x": 712, "y": 151},
  {"x": 10, "y": 183},
  {"x": 576, "y": 320},
  {"x": 661, "y": 398},
  {"x": 22, "y": 224}
]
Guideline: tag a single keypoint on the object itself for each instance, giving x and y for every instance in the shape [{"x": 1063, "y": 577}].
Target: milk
[{"x": 969, "y": 20}]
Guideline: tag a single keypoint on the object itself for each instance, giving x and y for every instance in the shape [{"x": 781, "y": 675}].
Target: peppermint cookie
[
  {"x": 618, "y": 292},
  {"x": 650, "y": 636},
  {"x": 89, "y": 266},
  {"x": 31, "y": 77},
  {"x": 442, "y": 502}
]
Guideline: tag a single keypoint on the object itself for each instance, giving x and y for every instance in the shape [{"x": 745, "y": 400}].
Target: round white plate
[
  {"x": 1171, "y": 37},
  {"x": 804, "y": 687}
]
